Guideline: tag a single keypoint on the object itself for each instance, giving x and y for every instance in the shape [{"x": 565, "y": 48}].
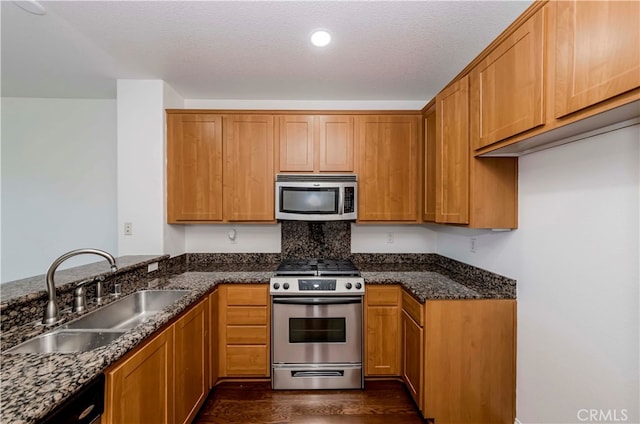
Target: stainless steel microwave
[{"x": 316, "y": 197}]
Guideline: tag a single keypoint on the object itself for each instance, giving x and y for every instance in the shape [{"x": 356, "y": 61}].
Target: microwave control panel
[{"x": 349, "y": 204}]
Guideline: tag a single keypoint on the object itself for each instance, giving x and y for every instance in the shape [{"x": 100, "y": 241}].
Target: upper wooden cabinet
[
  {"x": 248, "y": 189},
  {"x": 203, "y": 150},
  {"x": 478, "y": 192},
  {"x": 194, "y": 168},
  {"x": 452, "y": 153},
  {"x": 597, "y": 52},
  {"x": 507, "y": 86},
  {"x": 315, "y": 143},
  {"x": 429, "y": 197},
  {"x": 387, "y": 167},
  {"x": 335, "y": 143},
  {"x": 296, "y": 142},
  {"x": 562, "y": 68}
]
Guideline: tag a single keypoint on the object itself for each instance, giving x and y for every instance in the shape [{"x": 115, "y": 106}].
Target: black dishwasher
[{"x": 84, "y": 407}]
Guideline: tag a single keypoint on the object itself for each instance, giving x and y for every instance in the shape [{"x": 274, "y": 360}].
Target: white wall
[
  {"x": 58, "y": 181},
  {"x": 141, "y": 158},
  {"x": 575, "y": 257},
  {"x": 174, "y": 235},
  {"x": 249, "y": 238},
  {"x": 366, "y": 238},
  {"x": 303, "y": 104}
]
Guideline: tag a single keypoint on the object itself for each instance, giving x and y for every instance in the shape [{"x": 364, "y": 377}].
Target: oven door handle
[
  {"x": 336, "y": 373},
  {"x": 317, "y": 300}
]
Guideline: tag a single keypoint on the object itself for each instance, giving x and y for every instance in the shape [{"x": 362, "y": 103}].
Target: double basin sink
[{"x": 102, "y": 326}]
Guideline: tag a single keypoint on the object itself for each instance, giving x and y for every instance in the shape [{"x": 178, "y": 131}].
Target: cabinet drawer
[
  {"x": 412, "y": 307},
  {"x": 247, "y": 295},
  {"x": 247, "y": 360},
  {"x": 247, "y": 315},
  {"x": 383, "y": 295},
  {"x": 246, "y": 334}
]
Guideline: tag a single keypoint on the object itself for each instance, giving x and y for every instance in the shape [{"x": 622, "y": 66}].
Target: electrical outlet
[
  {"x": 152, "y": 267},
  {"x": 473, "y": 245},
  {"x": 389, "y": 237},
  {"x": 232, "y": 236},
  {"x": 128, "y": 228}
]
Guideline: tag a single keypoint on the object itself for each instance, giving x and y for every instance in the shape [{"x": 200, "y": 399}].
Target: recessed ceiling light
[
  {"x": 320, "y": 38},
  {"x": 31, "y": 6}
]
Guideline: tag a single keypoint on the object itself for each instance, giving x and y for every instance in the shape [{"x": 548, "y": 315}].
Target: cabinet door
[
  {"x": 194, "y": 168},
  {"x": 244, "y": 330},
  {"x": 191, "y": 363},
  {"x": 296, "y": 142},
  {"x": 335, "y": 143},
  {"x": 213, "y": 339},
  {"x": 452, "y": 153},
  {"x": 429, "y": 200},
  {"x": 387, "y": 168},
  {"x": 597, "y": 53},
  {"x": 412, "y": 357},
  {"x": 470, "y": 361},
  {"x": 382, "y": 341},
  {"x": 248, "y": 168},
  {"x": 140, "y": 389},
  {"x": 507, "y": 86}
]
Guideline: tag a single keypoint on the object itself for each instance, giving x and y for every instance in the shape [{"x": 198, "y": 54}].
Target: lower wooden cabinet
[
  {"x": 164, "y": 381},
  {"x": 470, "y": 368},
  {"x": 243, "y": 330},
  {"x": 412, "y": 356},
  {"x": 213, "y": 338},
  {"x": 413, "y": 347},
  {"x": 458, "y": 359},
  {"x": 191, "y": 360},
  {"x": 139, "y": 389},
  {"x": 382, "y": 331}
]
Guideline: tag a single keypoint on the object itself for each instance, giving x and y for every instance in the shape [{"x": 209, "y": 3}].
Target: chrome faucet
[{"x": 51, "y": 312}]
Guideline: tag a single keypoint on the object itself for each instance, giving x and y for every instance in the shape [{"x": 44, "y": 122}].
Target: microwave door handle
[{"x": 341, "y": 201}]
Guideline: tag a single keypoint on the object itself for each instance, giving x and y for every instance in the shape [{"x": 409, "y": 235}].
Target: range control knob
[
  {"x": 358, "y": 286},
  {"x": 285, "y": 286},
  {"x": 348, "y": 286},
  {"x": 276, "y": 286}
]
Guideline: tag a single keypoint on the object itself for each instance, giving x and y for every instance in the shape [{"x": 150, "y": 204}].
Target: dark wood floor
[{"x": 381, "y": 402}]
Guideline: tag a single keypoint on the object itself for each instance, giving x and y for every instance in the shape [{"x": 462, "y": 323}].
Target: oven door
[{"x": 313, "y": 330}]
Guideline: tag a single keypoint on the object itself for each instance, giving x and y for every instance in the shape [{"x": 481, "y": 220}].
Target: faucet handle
[
  {"x": 117, "y": 289},
  {"x": 99, "y": 289},
  {"x": 80, "y": 297}
]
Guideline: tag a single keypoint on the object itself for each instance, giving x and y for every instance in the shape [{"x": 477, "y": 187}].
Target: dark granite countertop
[
  {"x": 37, "y": 286},
  {"x": 432, "y": 282},
  {"x": 31, "y": 385}
]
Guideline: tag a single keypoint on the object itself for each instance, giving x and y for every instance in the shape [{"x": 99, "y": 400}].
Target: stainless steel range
[{"x": 316, "y": 325}]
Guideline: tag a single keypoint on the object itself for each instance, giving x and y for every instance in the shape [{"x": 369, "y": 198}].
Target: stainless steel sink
[
  {"x": 103, "y": 325},
  {"x": 129, "y": 311},
  {"x": 67, "y": 341}
]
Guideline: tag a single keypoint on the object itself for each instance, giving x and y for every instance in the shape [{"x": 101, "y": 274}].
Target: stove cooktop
[{"x": 317, "y": 267}]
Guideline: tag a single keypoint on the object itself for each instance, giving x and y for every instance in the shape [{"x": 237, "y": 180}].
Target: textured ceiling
[{"x": 399, "y": 50}]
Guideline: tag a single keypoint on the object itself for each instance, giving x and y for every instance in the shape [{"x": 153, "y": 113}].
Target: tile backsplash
[{"x": 302, "y": 240}]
